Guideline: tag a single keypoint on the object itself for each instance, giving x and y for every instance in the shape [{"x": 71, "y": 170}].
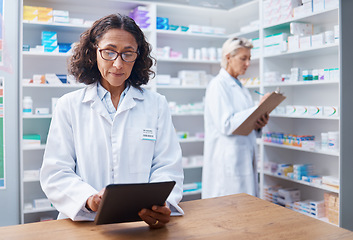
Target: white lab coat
[
  {"x": 229, "y": 160},
  {"x": 86, "y": 150}
]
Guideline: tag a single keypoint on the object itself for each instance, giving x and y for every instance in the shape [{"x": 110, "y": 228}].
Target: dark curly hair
[{"x": 83, "y": 63}]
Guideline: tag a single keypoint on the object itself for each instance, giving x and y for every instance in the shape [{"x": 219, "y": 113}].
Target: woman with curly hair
[{"x": 111, "y": 131}]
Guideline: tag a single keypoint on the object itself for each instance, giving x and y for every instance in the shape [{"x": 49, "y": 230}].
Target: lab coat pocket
[{"x": 140, "y": 149}]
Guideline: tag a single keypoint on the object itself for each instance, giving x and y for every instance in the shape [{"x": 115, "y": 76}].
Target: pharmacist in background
[
  {"x": 111, "y": 131},
  {"x": 230, "y": 160}
]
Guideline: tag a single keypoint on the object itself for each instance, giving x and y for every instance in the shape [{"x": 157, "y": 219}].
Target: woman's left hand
[
  {"x": 158, "y": 217},
  {"x": 262, "y": 121}
]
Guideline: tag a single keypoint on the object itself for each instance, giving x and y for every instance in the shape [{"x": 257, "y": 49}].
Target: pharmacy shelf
[
  {"x": 184, "y": 60},
  {"x": 45, "y": 54},
  {"x": 38, "y": 210},
  {"x": 324, "y": 152},
  {"x": 179, "y": 87},
  {"x": 34, "y": 116},
  {"x": 319, "y": 186},
  {"x": 186, "y": 35},
  {"x": 304, "y": 117},
  {"x": 33, "y": 85},
  {"x": 188, "y": 114},
  {"x": 191, "y": 140},
  {"x": 33, "y": 147},
  {"x": 300, "y": 83},
  {"x": 192, "y": 166},
  {"x": 192, "y": 192},
  {"x": 314, "y": 18},
  {"x": 52, "y": 24},
  {"x": 30, "y": 180},
  {"x": 326, "y": 49}
]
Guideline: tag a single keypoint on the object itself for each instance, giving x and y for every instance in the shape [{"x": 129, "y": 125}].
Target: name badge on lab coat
[{"x": 148, "y": 134}]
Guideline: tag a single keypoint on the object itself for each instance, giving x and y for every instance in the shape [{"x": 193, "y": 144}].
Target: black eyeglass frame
[{"x": 117, "y": 54}]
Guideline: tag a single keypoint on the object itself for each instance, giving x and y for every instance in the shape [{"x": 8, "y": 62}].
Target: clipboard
[
  {"x": 122, "y": 202},
  {"x": 266, "y": 106}
]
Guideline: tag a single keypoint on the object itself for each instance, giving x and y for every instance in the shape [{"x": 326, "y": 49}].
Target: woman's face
[
  {"x": 239, "y": 63},
  {"x": 114, "y": 73}
]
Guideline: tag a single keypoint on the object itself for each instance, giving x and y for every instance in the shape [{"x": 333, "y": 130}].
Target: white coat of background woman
[{"x": 230, "y": 160}]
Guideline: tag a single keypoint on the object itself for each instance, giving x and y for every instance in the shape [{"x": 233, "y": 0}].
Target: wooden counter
[{"x": 239, "y": 216}]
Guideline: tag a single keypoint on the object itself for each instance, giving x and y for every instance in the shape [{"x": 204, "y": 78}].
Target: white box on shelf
[
  {"x": 318, "y": 5},
  {"x": 163, "y": 79},
  {"x": 301, "y": 29},
  {"x": 293, "y": 43},
  {"x": 318, "y": 40},
  {"x": 41, "y": 203},
  {"x": 31, "y": 175},
  {"x": 41, "y": 111},
  {"x": 305, "y": 42},
  {"x": 330, "y": 111}
]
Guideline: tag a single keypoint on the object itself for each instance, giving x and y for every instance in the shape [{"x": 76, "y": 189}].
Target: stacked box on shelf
[
  {"x": 276, "y": 11},
  {"x": 275, "y": 43},
  {"x": 50, "y": 41},
  {"x": 162, "y": 23},
  {"x": 141, "y": 16},
  {"x": 37, "y": 14},
  {"x": 332, "y": 207},
  {"x": 317, "y": 209},
  {"x": 61, "y": 16},
  {"x": 30, "y": 13}
]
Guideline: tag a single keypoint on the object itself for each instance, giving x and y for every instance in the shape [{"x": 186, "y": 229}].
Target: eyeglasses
[
  {"x": 111, "y": 55},
  {"x": 238, "y": 39}
]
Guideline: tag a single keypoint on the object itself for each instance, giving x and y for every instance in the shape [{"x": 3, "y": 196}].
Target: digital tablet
[{"x": 122, "y": 202}]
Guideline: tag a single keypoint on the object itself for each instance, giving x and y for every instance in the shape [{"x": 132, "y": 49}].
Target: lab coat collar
[
  {"x": 91, "y": 93},
  {"x": 129, "y": 99},
  {"x": 228, "y": 78},
  {"x": 128, "y": 102}
]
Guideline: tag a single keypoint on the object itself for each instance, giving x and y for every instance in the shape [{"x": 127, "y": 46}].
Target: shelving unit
[{"x": 312, "y": 93}]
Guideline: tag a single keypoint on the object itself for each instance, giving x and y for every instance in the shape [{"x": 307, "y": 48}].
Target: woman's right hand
[
  {"x": 93, "y": 201},
  {"x": 264, "y": 97}
]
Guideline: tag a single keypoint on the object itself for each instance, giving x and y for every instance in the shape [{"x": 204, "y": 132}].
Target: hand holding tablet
[{"x": 123, "y": 202}]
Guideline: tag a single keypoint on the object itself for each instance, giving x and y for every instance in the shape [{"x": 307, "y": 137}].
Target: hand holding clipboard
[{"x": 270, "y": 103}]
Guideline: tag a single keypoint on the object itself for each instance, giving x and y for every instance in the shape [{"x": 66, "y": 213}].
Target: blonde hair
[{"x": 231, "y": 47}]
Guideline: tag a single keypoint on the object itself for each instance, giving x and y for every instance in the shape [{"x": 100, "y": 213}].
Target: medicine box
[
  {"x": 61, "y": 13},
  {"x": 41, "y": 203},
  {"x": 293, "y": 43},
  {"x": 29, "y": 175},
  {"x": 30, "y": 13},
  {"x": 330, "y": 111},
  {"x": 32, "y": 139},
  {"x": 49, "y": 38},
  {"x": 301, "y": 29},
  {"x": 318, "y": 40},
  {"x": 289, "y": 194},
  {"x": 45, "y": 14},
  {"x": 318, "y": 5},
  {"x": 41, "y": 111},
  {"x": 315, "y": 110},
  {"x": 305, "y": 42}
]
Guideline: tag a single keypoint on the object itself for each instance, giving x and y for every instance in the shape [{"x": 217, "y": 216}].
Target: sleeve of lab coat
[
  {"x": 166, "y": 164},
  {"x": 225, "y": 114},
  {"x": 63, "y": 187}
]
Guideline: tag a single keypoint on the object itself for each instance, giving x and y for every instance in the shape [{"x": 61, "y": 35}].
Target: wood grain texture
[{"x": 239, "y": 216}]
